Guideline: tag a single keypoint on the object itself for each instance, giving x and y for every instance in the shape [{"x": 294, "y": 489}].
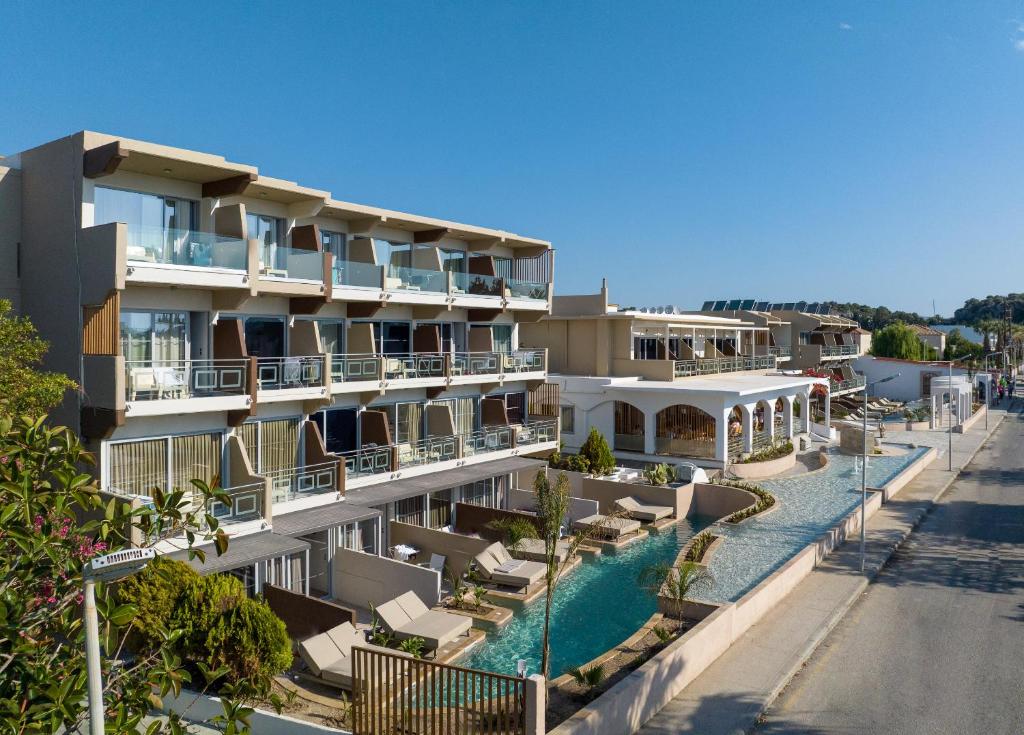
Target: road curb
[{"x": 848, "y": 603}]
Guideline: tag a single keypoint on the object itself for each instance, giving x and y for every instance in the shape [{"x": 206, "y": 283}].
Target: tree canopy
[
  {"x": 900, "y": 341},
  {"x": 25, "y": 390},
  {"x": 975, "y": 311}
]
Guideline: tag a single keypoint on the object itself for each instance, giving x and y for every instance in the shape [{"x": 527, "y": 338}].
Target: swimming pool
[
  {"x": 599, "y": 605},
  {"x": 596, "y": 606}
]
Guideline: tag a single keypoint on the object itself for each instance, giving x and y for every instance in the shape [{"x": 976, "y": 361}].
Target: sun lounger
[
  {"x": 610, "y": 528},
  {"x": 642, "y": 512},
  {"x": 532, "y": 549},
  {"x": 407, "y": 617},
  {"x": 329, "y": 655},
  {"x": 497, "y": 565}
]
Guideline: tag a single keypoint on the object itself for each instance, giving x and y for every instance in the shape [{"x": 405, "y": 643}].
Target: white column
[
  {"x": 805, "y": 413},
  {"x": 787, "y": 416},
  {"x": 650, "y": 431},
  {"x": 722, "y": 436},
  {"x": 747, "y": 422},
  {"x": 828, "y": 412},
  {"x": 769, "y": 419}
]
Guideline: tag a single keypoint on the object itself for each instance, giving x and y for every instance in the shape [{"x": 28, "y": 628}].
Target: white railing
[
  {"x": 410, "y": 366},
  {"x": 838, "y": 350},
  {"x": 154, "y": 380},
  {"x": 355, "y": 367},
  {"x": 297, "y": 482},
  {"x": 277, "y": 373},
  {"x": 715, "y": 365},
  {"x": 246, "y": 504}
]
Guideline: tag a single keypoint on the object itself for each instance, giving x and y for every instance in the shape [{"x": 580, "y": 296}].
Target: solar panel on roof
[
  {"x": 788, "y": 306},
  {"x": 761, "y": 306},
  {"x": 708, "y": 306},
  {"x": 719, "y": 306},
  {"x": 733, "y": 305}
]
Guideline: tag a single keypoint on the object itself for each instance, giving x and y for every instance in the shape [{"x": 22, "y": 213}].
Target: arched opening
[
  {"x": 735, "y": 429},
  {"x": 761, "y": 425},
  {"x": 685, "y": 431},
  {"x": 780, "y": 409},
  {"x": 629, "y": 428},
  {"x": 819, "y": 397}
]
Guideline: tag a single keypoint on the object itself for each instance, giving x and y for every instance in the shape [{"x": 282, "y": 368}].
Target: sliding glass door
[
  {"x": 157, "y": 337},
  {"x": 159, "y": 227}
]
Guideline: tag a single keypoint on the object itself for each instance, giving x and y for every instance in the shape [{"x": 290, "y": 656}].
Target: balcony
[
  {"x": 172, "y": 386},
  {"x": 296, "y": 483},
  {"x": 839, "y": 350},
  {"x": 354, "y": 372},
  {"x": 291, "y": 378},
  {"x": 780, "y": 351},
  {"x": 184, "y": 248},
  {"x": 246, "y": 505},
  {"x": 718, "y": 365},
  {"x": 377, "y": 461},
  {"x": 281, "y": 262},
  {"x": 848, "y": 385},
  {"x": 357, "y": 281}
]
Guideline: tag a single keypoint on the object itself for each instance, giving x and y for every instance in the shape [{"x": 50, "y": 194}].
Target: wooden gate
[{"x": 394, "y": 694}]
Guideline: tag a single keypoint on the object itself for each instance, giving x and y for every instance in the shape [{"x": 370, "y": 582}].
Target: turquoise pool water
[
  {"x": 600, "y": 605},
  {"x": 596, "y": 606},
  {"x": 808, "y": 506}
]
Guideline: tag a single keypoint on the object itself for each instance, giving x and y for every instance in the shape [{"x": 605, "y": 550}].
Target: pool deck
[{"x": 735, "y": 689}]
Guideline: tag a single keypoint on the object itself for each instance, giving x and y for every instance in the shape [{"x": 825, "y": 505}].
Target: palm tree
[{"x": 675, "y": 583}]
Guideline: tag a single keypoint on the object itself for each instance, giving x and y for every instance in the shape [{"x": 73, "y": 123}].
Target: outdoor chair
[
  {"x": 497, "y": 565},
  {"x": 436, "y": 563},
  {"x": 642, "y": 512}
]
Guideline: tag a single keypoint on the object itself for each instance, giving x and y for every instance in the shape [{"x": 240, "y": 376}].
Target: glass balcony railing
[
  {"x": 352, "y": 273},
  {"x": 154, "y": 380},
  {"x": 431, "y": 450},
  {"x": 298, "y": 482},
  {"x": 522, "y": 361},
  {"x": 354, "y": 368},
  {"x": 147, "y": 244},
  {"x": 838, "y": 350},
  {"x": 399, "y": 367},
  {"x": 416, "y": 279},
  {"x": 476, "y": 363},
  {"x": 537, "y": 432},
  {"x": 368, "y": 461},
  {"x": 846, "y": 384},
  {"x": 280, "y": 261},
  {"x": 476, "y": 285},
  {"x": 488, "y": 439},
  {"x": 277, "y": 373},
  {"x": 246, "y": 504},
  {"x": 527, "y": 289}
]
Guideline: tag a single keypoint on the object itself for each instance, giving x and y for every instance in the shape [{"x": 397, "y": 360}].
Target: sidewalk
[{"x": 732, "y": 693}]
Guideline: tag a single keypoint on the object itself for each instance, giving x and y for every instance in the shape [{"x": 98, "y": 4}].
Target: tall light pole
[
  {"x": 864, "y": 467},
  {"x": 105, "y": 568},
  {"x": 950, "y": 414}
]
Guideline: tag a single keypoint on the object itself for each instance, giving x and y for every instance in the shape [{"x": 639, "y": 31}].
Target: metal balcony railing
[
  {"x": 153, "y": 380},
  {"x": 838, "y": 350},
  {"x": 415, "y": 366},
  {"x": 780, "y": 351},
  {"x": 839, "y": 385},
  {"x": 278, "y": 373},
  {"x": 355, "y": 367},
  {"x": 297, "y": 482},
  {"x": 246, "y": 504},
  {"x": 716, "y": 365},
  {"x": 536, "y": 432}
]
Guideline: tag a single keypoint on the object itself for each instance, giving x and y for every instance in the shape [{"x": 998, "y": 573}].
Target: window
[
  {"x": 515, "y": 408},
  {"x": 440, "y": 508},
  {"x": 270, "y": 232},
  {"x": 157, "y": 225},
  {"x": 805, "y": 338},
  {"x": 157, "y": 336},
  {"x": 333, "y": 243},
  {"x": 408, "y": 423},
  {"x": 568, "y": 416},
  {"x": 463, "y": 414},
  {"x": 410, "y": 510},
  {"x": 265, "y": 337},
  {"x": 501, "y": 337},
  {"x": 393, "y": 253},
  {"x": 453, "y": 261},
  {"x": 136, "y": 467},
  {"x": 392, "y": 338},
  {"x": 332, "y": 336},
  {"x": 645, "y": 348},
  {"x": 487, "y": 493},
  {"x": 272, "y": 445}
]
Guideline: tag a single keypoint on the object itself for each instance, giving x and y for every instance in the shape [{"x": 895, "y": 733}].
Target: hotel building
[{"x": 333, "y": 366}]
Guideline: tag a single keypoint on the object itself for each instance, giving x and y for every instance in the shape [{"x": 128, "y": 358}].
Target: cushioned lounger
[
  {"x": 609, "y": 527},
  {"x": 641, "y": 512},
  {"x": 329, "y": 655},
  {"x": 407, "y": 617},
  {"x": 532, "y": 549},
  {"x": 497, "y": 565}
]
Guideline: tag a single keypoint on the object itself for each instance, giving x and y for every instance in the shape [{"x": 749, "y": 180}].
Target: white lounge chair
[
  {"x": 407, "y": 617},
  {"x": 532, "y": 549},
  {"x": 497, "y": 565},
  {"x": 329, "y": 655},
  {"x": 610, "y": 528},
  {"x": 641, "y": 511}
]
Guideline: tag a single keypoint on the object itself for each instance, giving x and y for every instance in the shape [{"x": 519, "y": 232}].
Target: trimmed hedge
[{"x": 765, "y": 499}]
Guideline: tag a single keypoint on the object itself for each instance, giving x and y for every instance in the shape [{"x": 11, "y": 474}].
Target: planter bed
[{"x": 766, "y": 468}]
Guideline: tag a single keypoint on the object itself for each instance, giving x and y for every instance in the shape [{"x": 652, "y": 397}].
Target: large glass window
[
  {"x": 270, "y": 232},
  {"x": 645, "y": 348},
  {"x": 332, "y": 336},
  {"x": 440, "y": 508},
  {"x": 136, "y": 467},
  {"x": 501, "y": 337},
  {"x": 568, "y": 417},
  {"x": 410, "y": 510},
  {"x": 392, "y": 338},
  {"x": 487, "y": 493},
  {"x": 393, "y": 253},
  {"x": 454, "y": 261},
  {"x": 265, "y": 337},
  {"x": 463, "y": 413},
  {"x": 272, "y": 445},
  {"x": 334, "y": 243},
  {"x": 154, "y": 336},
  {"x": 515, "y": 408},
  {"x": 145, "y": 211},
  {"x": 338, "y": 428}
]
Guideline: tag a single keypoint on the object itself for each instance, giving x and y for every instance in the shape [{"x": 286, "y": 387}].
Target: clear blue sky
[{"x": 865, "y": 151}]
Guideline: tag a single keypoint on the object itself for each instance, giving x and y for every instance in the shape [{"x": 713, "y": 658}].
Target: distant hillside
[
  {"x": 876, "y": 317},
  {"x": 990, "y": 307}
]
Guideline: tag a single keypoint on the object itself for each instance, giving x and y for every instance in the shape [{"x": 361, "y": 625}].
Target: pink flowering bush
[{"x": 52, "y": 521}]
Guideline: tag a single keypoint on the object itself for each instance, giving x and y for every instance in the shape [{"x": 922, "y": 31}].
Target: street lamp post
[
  {"x": 105, "y": 568},
  {"x": 864, "y": 467},
  {"x": 949, "y": 413}
]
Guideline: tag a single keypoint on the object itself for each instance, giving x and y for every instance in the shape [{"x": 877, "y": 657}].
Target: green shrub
[
  {"x": 577, "y": 463},
  {"x": 154, "y": 592},
  {"x": 769, "y": 453},
  {"x": 765, "y": 499},
  {"x": 598, "y": 453},
  {"x": 659, "y": 474},
  {"x": 699, "y": 546},
  {"x": 413, "y": 646},
  {"x": 251, "y": 641}
]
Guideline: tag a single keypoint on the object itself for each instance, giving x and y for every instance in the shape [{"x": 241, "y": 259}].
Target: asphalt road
[{"x": 936, "y": 644}]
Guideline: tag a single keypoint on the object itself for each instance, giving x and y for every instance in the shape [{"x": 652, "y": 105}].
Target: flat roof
[
  {"x": 242, "y": 551},
  {"x": 733, "y": 384},
  {"x": 315, "y": 519},
  {"x": 388, "y": 492}
]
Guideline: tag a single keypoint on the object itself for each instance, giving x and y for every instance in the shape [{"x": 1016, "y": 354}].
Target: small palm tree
[
  {"x": 590, "y": 679},
  {"x": 675, "y": 583}
]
